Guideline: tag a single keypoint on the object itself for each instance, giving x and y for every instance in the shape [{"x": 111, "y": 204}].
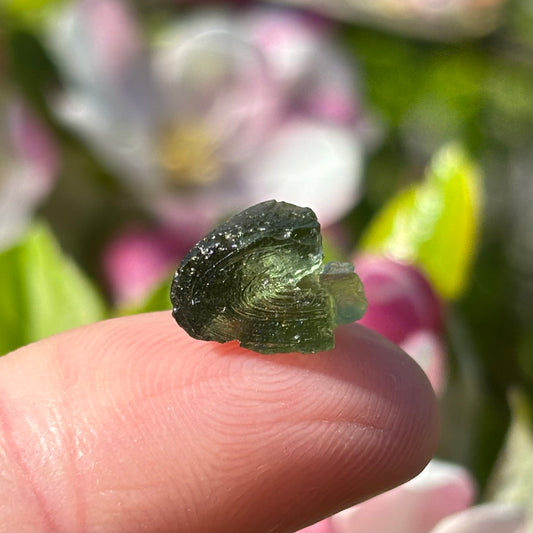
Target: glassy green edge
[
  {"x": 43, "y": 293},
  {"x": 434, "y": 224},
  {"x": 159, "y": 298}
]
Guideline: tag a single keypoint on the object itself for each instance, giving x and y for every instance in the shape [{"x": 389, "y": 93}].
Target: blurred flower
[
  {"x": 436, "y": 19},
  {"x": 223, "y": 111},
  {"x": 403, "y": 307},
  {"x": 486, "y": 518},
  {"x": 137, "y": 259},
  {"x": 401, "y": 300},
  {"x": 440, "y": 490},
  {"x": 429, "y": 351},
  {"x": 29, "y": 163},
  {"x": 438, "y": 500},
  {"x": 414, "y": 507}
]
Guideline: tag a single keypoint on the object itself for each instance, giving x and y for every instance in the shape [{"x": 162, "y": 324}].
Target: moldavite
[{"x": 258, "y": 278}]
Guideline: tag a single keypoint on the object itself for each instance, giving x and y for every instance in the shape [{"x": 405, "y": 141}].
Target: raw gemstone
[{"x": 259, "y": 278}]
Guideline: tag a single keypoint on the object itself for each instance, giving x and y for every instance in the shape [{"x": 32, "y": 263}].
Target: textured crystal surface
[{"x": 258, "y": 278}]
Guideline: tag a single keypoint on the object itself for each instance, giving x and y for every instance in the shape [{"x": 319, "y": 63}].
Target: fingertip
[
  {"x": 280, "y": 440},
  {"x": 407, "y": 401}
]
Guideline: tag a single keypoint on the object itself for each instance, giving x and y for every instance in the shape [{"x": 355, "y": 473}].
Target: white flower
[{"x": 219, "y": 112}]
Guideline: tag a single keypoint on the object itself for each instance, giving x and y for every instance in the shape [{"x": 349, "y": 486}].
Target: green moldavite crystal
[{"x": 258, "y": 278}]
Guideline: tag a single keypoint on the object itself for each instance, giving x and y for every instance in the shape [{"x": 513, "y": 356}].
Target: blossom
[
  {"x": 219, "y": 111},
  {"x": 485, "y": 518},
  {"x": 29, "y": 167},
  {"x": 137, "y": 258},
  {"x": 401, "y": 299},
  {"x": 403, "y": 307},
  {"x": 429, "y": 351},
  {"x": 438, "y": 500},
  {"x": 439, "y": 490}
]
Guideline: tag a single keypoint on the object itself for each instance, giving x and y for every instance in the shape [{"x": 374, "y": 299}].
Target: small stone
[{"x": 259, "y": 278}]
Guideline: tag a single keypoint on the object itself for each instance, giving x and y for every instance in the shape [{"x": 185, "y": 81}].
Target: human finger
[{"x": 130, "y": 424}]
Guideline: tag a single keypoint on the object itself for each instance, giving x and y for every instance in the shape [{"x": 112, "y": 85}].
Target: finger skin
[{"x": 130, "y": 424}]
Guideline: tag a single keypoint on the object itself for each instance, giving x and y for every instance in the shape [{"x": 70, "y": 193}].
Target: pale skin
[{"x": 131, "y": 425}]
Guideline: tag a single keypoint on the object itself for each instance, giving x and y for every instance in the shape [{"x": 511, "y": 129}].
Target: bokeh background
[{"x": 128, "y": 130}]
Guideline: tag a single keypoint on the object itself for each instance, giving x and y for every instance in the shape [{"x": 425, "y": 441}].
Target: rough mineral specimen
[{"x": 258, "y": 278}]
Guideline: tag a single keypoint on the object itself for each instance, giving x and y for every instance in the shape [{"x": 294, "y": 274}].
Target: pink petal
[
  {"x": 29, "y": 171},
  {"x": 414, "y": 507},
  {"x": 487, "y": 518},
  {"x": 289, "y": 41},
  {"x": 113, "y": 34},
  {"x": 428, "y": 351},
  {"x": 223, "y": 83},
  {"x": 33, "y": 143},
  {"x": 400, "y": 299},
  {"x": 333, "y": 104},
  {"x": 138, "y": 258},
  {"x": 329, "y": 90},
  {"x": 315, "y": 76}
]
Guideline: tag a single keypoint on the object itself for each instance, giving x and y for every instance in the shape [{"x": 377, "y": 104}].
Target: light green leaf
[
  {"x": 512, "y": 479},
  {"x": 434, "y": 224},
  {"x": 31, "y": 11},
  {"x": 43, "y": 291}
]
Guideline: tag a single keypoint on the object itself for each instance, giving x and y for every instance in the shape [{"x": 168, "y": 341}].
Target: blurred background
[{"x": 128, "y": 130}]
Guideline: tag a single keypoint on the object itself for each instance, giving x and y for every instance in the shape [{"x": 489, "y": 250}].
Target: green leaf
[
  {"x": 512, "y": 479},
  {"x": 434, "y": 224},
  {"x": 31, "y": 12},
  {"x": 43, "y": 292}
]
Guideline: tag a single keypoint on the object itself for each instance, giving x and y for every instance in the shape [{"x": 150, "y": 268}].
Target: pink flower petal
[
  {"x": 113, "y": 33},
  {"x": 289, "y": 41},
  {"x": 313, "y": 74},
  {"x": 487, "y": 518},
  {"x": 400, "y": 299},
  {"x": 34, "y": 143},
  {"x": 414, "y": 507},
  {"x": 332, "y": 104},
  {"x": 138, "y": 258},
  {"x": 30, "y": 164},
  {"x": 223, "y": 83},
  {"x": 428, "y": 351}
]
